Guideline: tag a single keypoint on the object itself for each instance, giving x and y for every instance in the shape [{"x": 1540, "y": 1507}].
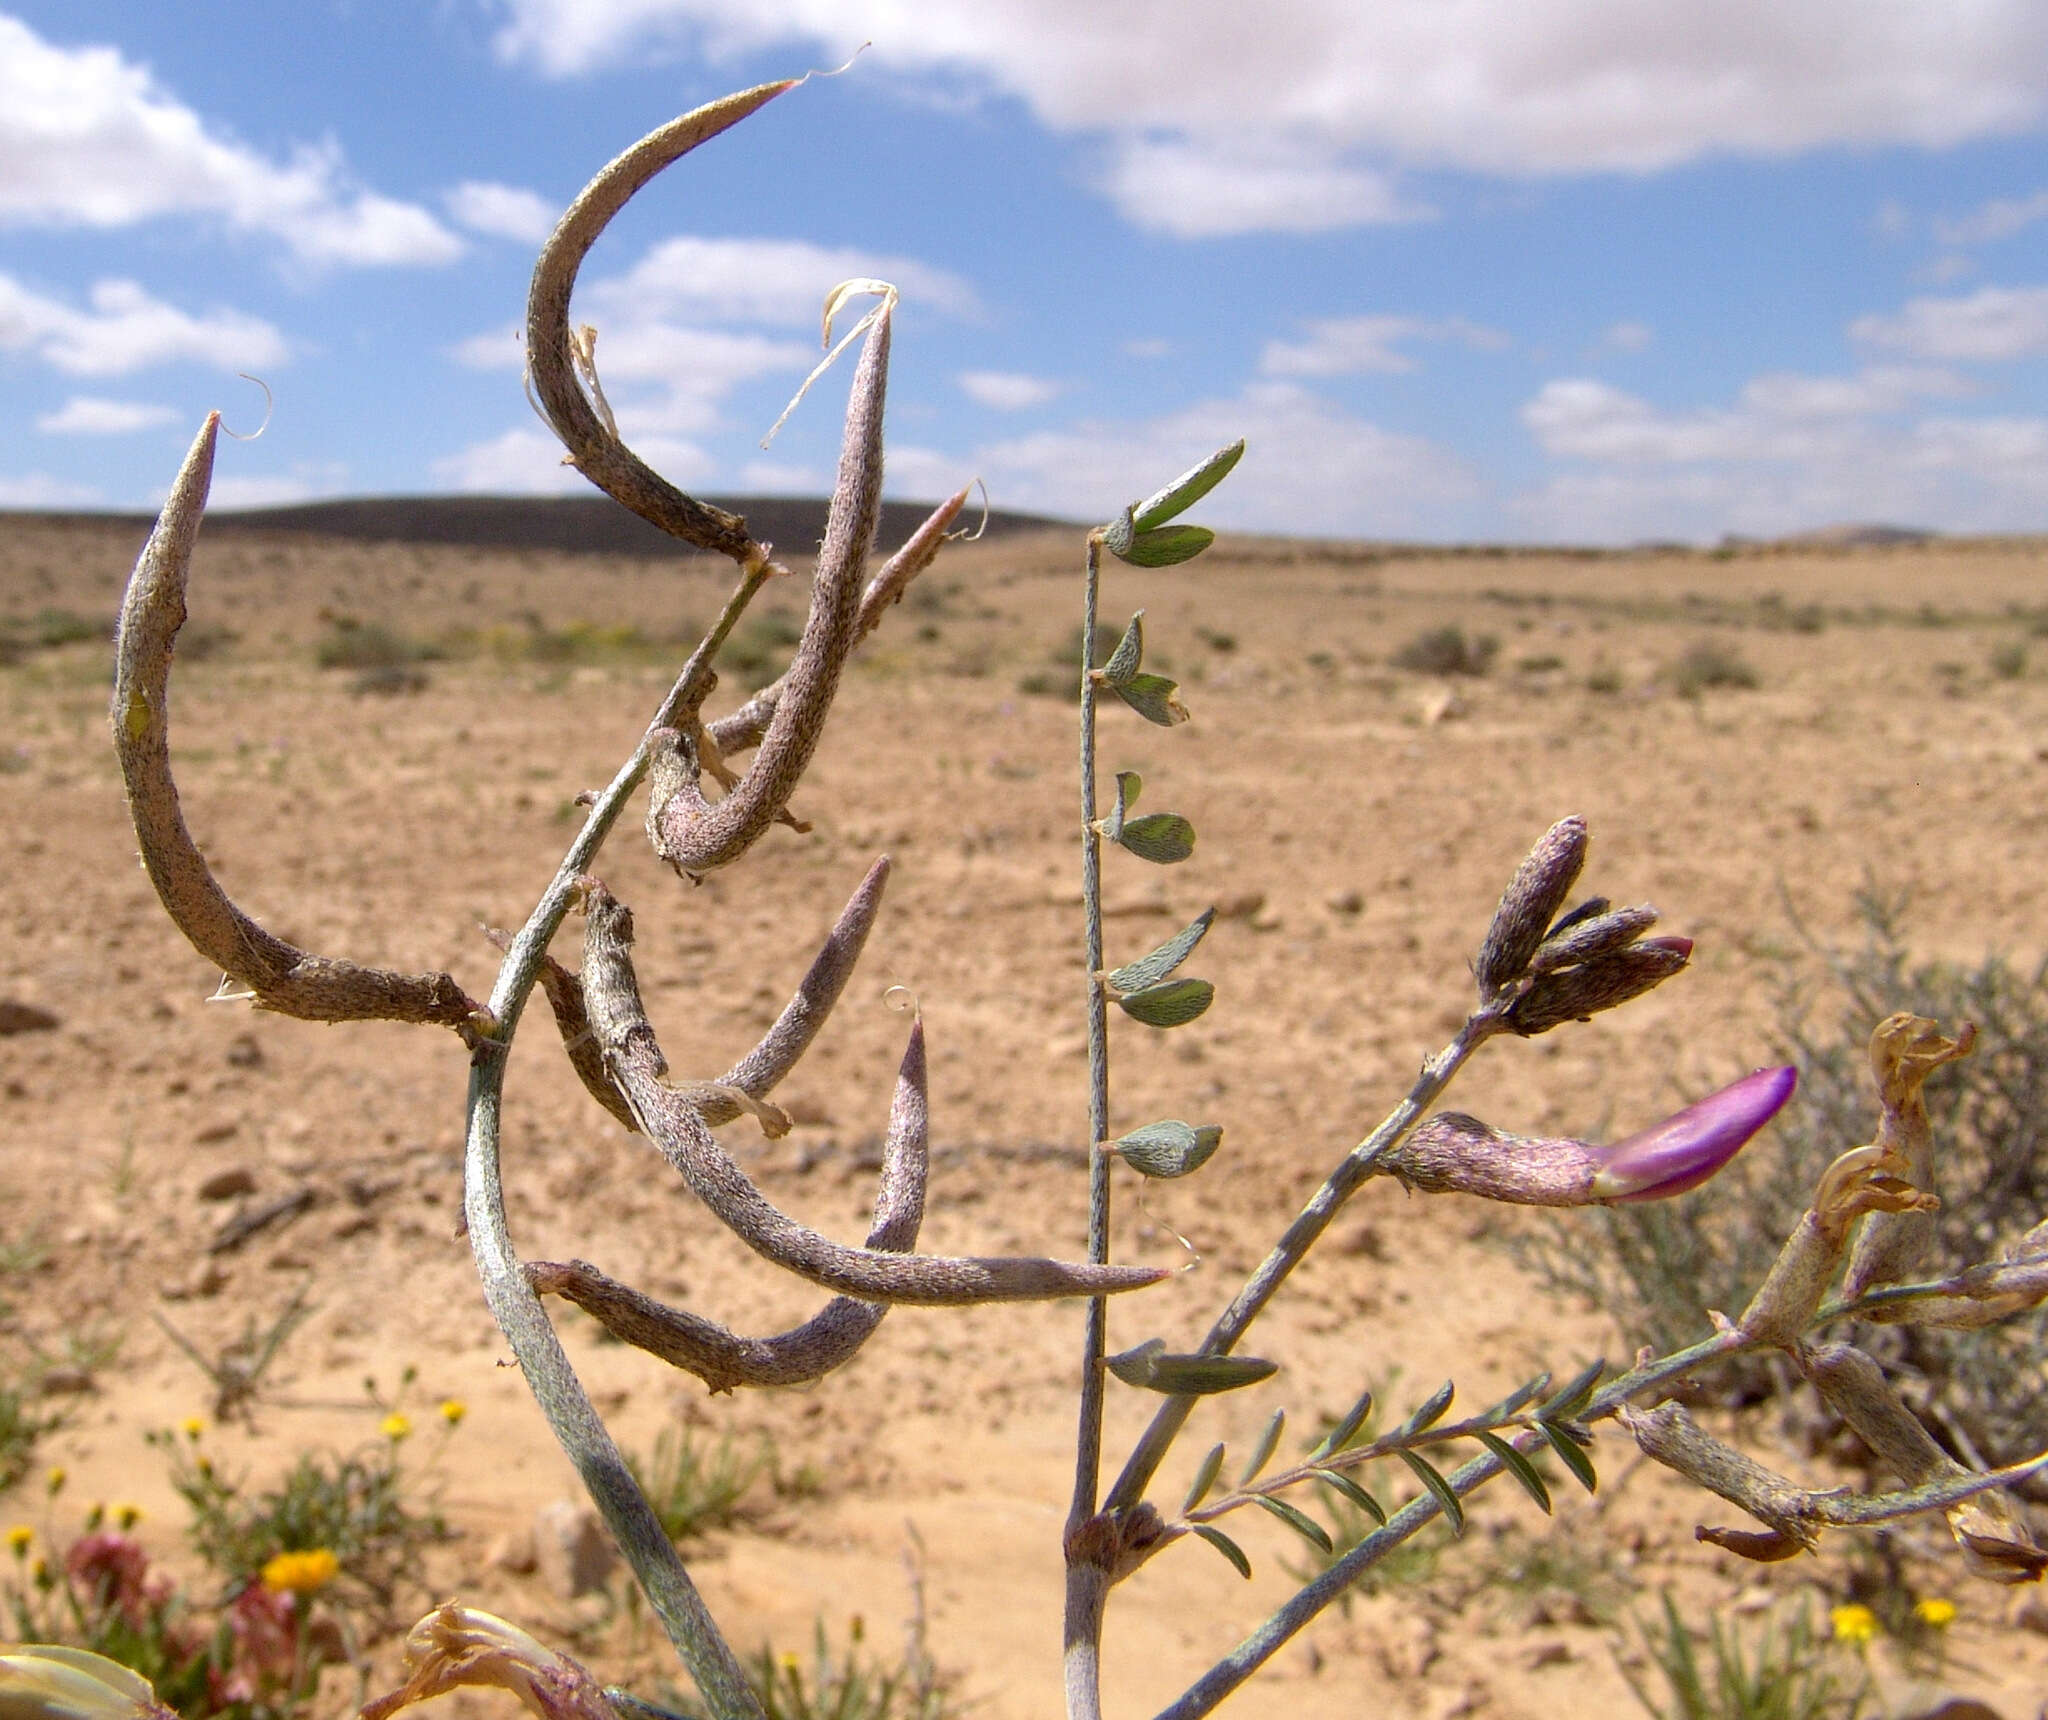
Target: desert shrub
[
  {"x": 1447, "y": 651},
  {"x": 1708, "y": 663},
  {"x": 1786, "y": 1672},
  {"x": 2009, "y": 661},
  {"x": 369, "y": 645}
]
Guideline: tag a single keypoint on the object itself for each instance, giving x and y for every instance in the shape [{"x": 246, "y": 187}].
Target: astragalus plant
[{"x": 1544, "y": 961}]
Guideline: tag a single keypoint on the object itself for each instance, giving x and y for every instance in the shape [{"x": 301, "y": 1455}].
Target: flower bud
[
  {"x": 1580, "y": 993},
  {"x": 1529, "y": 904},
  {"x": 1451, "y": 1153}
]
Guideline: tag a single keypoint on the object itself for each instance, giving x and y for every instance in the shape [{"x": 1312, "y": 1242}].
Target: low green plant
[
  {"x": 696, "y": 1488},
  {"x": 848, "y": 1685},
  {"x": 2009, "y": 661},
  {"x": 1786, "y": 1672},
  {"x": 21, "y": 1426},
  {"x": 1447, "y": 651},
  {"x": 350, "y": 643},
  {"x": 1707, "y": 663}
]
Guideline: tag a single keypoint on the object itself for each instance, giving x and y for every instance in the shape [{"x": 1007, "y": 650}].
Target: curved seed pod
[
  {"x": 284, "y": 977},
  {"x": 673, "y": 1123},
  {"x": 1529, "y": 904},
  {"x": 830, "y": 1338},
  {"x": 565, "y": 998},
  {"x": 695, "y": 836},
  {"x": 739, "y": 729},
  {"x": 551, "y": 351},
  {"x": 1904, "y": 1050}
]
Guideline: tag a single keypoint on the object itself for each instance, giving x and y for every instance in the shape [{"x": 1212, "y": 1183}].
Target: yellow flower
[
  {"x": 19, "y": 1538},
  {"x": 1940, "y": 1614},
  {"x": 453, "y": 1410},
  {"x": 301, "y": 1573},
  {"x": 127, "y": 1515},
  {"x": 1853, "y": 1623},
  {"x": 395, "y": 1426},
  {"x": 56, "y": 1480},
  {"x": 192, "y": 1427}
]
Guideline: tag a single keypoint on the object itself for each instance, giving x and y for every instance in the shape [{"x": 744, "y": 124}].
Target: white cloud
[
  {"x": 520, "y": 462},
  {"x": 275, "y": 490},
  {"x": 1203, "y": 107},
  {"x": 1991, "y": 324},
  {"x": 1006, "y": 391},
  {"x": 38, "y": 491},
  {"x": 1309, "y": 466},
  {"x": 1628, "y": 337},
  {"x": 775, "y": 281},
  {"x": 1793, "y": 452},
  {"x": 503, "y": 211},
  {"x": 1999, "y": 219},
  {"x": 92, "y": 415},
  {"x": 1148, "y": 347},
  {"x": 1207, "y": 188},
  {"x": 88, "y": 138},
  {"x": 126, "y": 330},
  {"x": 777, "y": 478},
  {"x": 1351, "y": 346}
]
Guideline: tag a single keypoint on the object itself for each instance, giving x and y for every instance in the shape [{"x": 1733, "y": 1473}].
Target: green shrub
[
  {"x": 1446, "y": 651},
  {"x": 1708, "y": 663}
]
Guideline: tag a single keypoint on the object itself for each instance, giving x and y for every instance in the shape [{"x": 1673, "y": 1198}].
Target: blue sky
[{"x": 1528, "y": 270}]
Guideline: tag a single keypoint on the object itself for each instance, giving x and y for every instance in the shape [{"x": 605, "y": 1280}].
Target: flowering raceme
[{"x": 1455, "y": 1154}]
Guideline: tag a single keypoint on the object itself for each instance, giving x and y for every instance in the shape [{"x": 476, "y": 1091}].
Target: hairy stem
[{"x": 1314, "y": 1218}]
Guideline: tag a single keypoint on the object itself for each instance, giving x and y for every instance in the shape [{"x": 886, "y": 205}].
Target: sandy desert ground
[{"x": 1356, "y": 821}]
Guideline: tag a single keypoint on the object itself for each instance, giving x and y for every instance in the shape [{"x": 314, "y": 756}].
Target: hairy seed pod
[{"x": 1582, "y": 992}]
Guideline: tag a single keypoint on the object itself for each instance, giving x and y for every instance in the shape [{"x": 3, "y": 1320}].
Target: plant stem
[
  {"x": 549, "y": 1375},
  {"x": 1300, "y": 1236},
  {"x": 1088, "y": 1582}
]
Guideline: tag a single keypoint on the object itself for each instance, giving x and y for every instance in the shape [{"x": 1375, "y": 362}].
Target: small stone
[
  {"x": 244, "y": 1053},
  {"x": 226, "y": 1184},
  {"x": 1542, "y": 1654},
  {"x": 61, "y": 1381},
  {"x": 2030, "y": 1612},
  {"x": 513, "y": 1551},
  {"x": 18, "y": 1017},
  {"x": 1345, "y": 902},
  {"x": 217, "y": 1131},
  {"x": 572, "y": 1552},
  {"x": 1409, "y": 1649}
]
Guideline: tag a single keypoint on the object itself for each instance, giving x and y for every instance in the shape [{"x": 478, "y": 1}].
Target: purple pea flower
[{"x": 1455, "y": 1154}]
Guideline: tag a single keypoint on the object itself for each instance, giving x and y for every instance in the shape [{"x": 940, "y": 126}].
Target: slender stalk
[
  {"x": 1295, "y": 1242},
  {"x": 549, "y": 1375},
  {"x": 1088, "y": 1582}
]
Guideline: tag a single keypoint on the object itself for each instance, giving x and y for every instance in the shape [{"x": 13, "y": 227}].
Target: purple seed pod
[
  {"x": 1455, "y": 1154},
  {"x": 1681, "y": 1152},
  {"x": 1529, "y": 904}
]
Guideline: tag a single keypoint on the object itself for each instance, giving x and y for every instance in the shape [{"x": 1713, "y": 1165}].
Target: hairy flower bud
[
  {"x": 1452, "y": 1153},
  {"x": 1580, "y": 993},
  {"x": 1529, "y": 904}
]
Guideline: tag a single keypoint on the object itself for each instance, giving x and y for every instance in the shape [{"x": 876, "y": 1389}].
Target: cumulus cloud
[
  {"x": 503, "y": 211},
  {"x": 1628, "y": 337},
  {"x": 39, "y": 490},
  {"x": 1792, "y": 452},
  {"x": 1006, "y": 391},
  {"x": 92, "y": 415},
  {"x": 1312, "y": 466},
  {"x": 1989, "y": 325},
  {"x": 1203, "y": 109},
  {"x": 520, "y": 462},
  {"x": 126, "y": 329},
  {"x": 779, "y": 282},
  {"x": 2001, "y": 218},
  {"x": 90, "y": 139},
  {"x": 1352, "y": 346}
]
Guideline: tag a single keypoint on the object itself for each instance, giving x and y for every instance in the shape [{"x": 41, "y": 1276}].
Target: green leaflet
[
  {"x": 1568, "y": 1402},
  {"x": 1426, "y": 1415},
  {"x": 1160, "y": 837},
  {"x": 1129, "y": 653},
  {"x": 1187, "y": 489},
  {"x": 1519, "y": 1467},
  {"x": 1151, "y": 1368},
  {"x": 1430, "y": 1477},
  {"x": 1298, "y": 1520},
  {"x": 1262, "y": 1453},
  {"x": 1169, "y": 1149},
  {"x": 1173, "y": 1004},
  {"x": 1152, "y": 697},
  {"x": 1570, "y": 1454},
  {"x": 1346, "y": 1430},
  {"x": 1337, "y": 1480},
  {"x": 1149, "y": 970},
  {"x": 1168, "y": 546},
  {"x": 1205, "y": 1478},
  {"x": 1227, "y": 1547}
]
